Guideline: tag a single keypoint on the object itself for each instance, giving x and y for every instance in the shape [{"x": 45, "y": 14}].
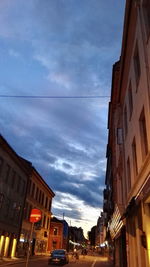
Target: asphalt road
[{"x": 87, "y": 261}]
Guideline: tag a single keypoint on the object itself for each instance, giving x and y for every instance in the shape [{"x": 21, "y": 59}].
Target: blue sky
[{"x": 61, "y": 48}]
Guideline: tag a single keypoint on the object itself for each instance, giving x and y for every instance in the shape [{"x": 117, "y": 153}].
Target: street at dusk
[
  {"x": 75, "y": 133},
  {"x": 88, "y": 261}
]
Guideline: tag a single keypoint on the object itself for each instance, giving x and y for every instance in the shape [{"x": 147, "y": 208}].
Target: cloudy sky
[{"x": 60, "y": 48}]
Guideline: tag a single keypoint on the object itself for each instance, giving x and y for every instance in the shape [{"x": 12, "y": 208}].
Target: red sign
[{"x": 35, "y": 215}]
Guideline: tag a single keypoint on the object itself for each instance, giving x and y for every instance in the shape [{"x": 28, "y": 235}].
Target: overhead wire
[{"x": 53, "y": 97}]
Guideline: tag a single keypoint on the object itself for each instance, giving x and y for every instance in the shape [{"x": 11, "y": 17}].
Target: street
[{"x": 88, "y": 261}]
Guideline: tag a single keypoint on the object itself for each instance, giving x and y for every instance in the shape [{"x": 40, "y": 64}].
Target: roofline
[{"x": 43, "y": 181}]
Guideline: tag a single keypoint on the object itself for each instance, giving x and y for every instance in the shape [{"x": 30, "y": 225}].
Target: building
[
  {"x": 127, "y": 195},
  {"x": 39, "y": 196},
  {"x": 65, "y": 235},
  {"x": 55, "y": 234},
  {"x": 14, "y": 176},
  {"x": 92, "y": 236}
]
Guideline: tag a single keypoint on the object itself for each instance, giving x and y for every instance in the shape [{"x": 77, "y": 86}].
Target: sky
[{"x": 61, "y": 48}]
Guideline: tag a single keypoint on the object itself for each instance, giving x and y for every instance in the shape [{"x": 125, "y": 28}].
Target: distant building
[
  {"x": 55, "y": 240},
  {"x": 92, "y": 236},
  {"x": 65, "y": 235},
  {"x": 14, "y": 176},
  {"x": 76, "y": 236}
]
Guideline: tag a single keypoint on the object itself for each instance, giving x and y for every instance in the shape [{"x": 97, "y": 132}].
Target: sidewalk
[{"x": 10, "y": 261}]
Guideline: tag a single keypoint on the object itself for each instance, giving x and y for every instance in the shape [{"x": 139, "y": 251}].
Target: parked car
[{"x": 58, "y": 256}]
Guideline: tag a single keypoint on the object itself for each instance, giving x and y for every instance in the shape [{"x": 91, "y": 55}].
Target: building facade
[
  {"x": 128, "y": 153},
  {"x": 55, "y": 234},
  {"x": 14, "y": 176},
  {"x": 39, "y": 196}
]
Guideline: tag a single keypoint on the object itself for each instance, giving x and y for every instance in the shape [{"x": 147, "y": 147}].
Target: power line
[{"x": 53, "y": 97}]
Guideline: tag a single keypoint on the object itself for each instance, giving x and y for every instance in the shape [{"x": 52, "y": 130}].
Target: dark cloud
[{"x": 60, "y": 47}]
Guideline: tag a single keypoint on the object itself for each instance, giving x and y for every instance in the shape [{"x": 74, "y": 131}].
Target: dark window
[
  {"x": 130, "y": 100},
  {"x": 143, "y": 135},
  {"x": 40, "y": 197},
  {"x": 1, "y": 165},
  {"x": 37, "y": 193},
  {"x": 44, "y": 220},
  {"x": 18, "y": 184},
  {"x": 23, "y": 187},
  {"x": 42, "y": 202},
  {"x": 137, "y": 67},
  {"x": 46, "y": 200},
  {"x": 29, "y": 186},
  {"x": 128, "y": 175},
  {"x": 33, "y": 189},
  {"x": 50, "y": 203},
  {"x": 48, "y": 223},
  {"x": 146, "y": 9},
  {"x": 25, "y": 211},
  {"x": 125, "y": 121},
  {"x": 7, "y": 173},
  {"x": 134, "y": 155},
  {"x": 55, "y": 232}
]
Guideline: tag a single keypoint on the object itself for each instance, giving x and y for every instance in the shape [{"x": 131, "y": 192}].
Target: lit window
[{"x": 55, "y": 231}]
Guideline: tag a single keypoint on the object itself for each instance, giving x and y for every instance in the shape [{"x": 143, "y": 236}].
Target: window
[
  {"x": 48, "y": 223},
  {"x": 128, "y": 175},
  {"x": 23, "y": 186},
  {"x": 125, "y": 121},
  {"x": 40, "y": 196},
  {"x": 55, "y": 231},
  {"x": 29, "y": 186},
  {"x": 130, "y": 100},
  {"x": 46, "y": 202},
  {"x": 1, "y": 164},
  {"x": 146, "y": 11},
  {"x": 25, "y": 212},
  {"x": 143, "y": 134},
  {"x": 18, "y": 184},
  {"x": 119, "y": 136},
  {"x": 42, "y": 202},
  {"x": 37, "y": 193},
  {"x": 134, "y": 155},
  {"x": 7, "y": 173},
  {"x": 33, "y": 189},
  {"x": 44, "y": 220},
  {"x": 137, "y": 67},
  {"x": 50, "y": 203}
]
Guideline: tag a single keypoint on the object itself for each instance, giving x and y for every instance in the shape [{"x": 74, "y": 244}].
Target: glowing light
[
  {"x": 6, "y": 246},
  {"x": 14, "y": 247},
  {"x": 1, "y": 244},
  {"x": 148, "y": 247}
]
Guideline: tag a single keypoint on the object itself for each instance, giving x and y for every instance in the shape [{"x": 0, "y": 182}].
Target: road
[{"x": 87, "y": 261}]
